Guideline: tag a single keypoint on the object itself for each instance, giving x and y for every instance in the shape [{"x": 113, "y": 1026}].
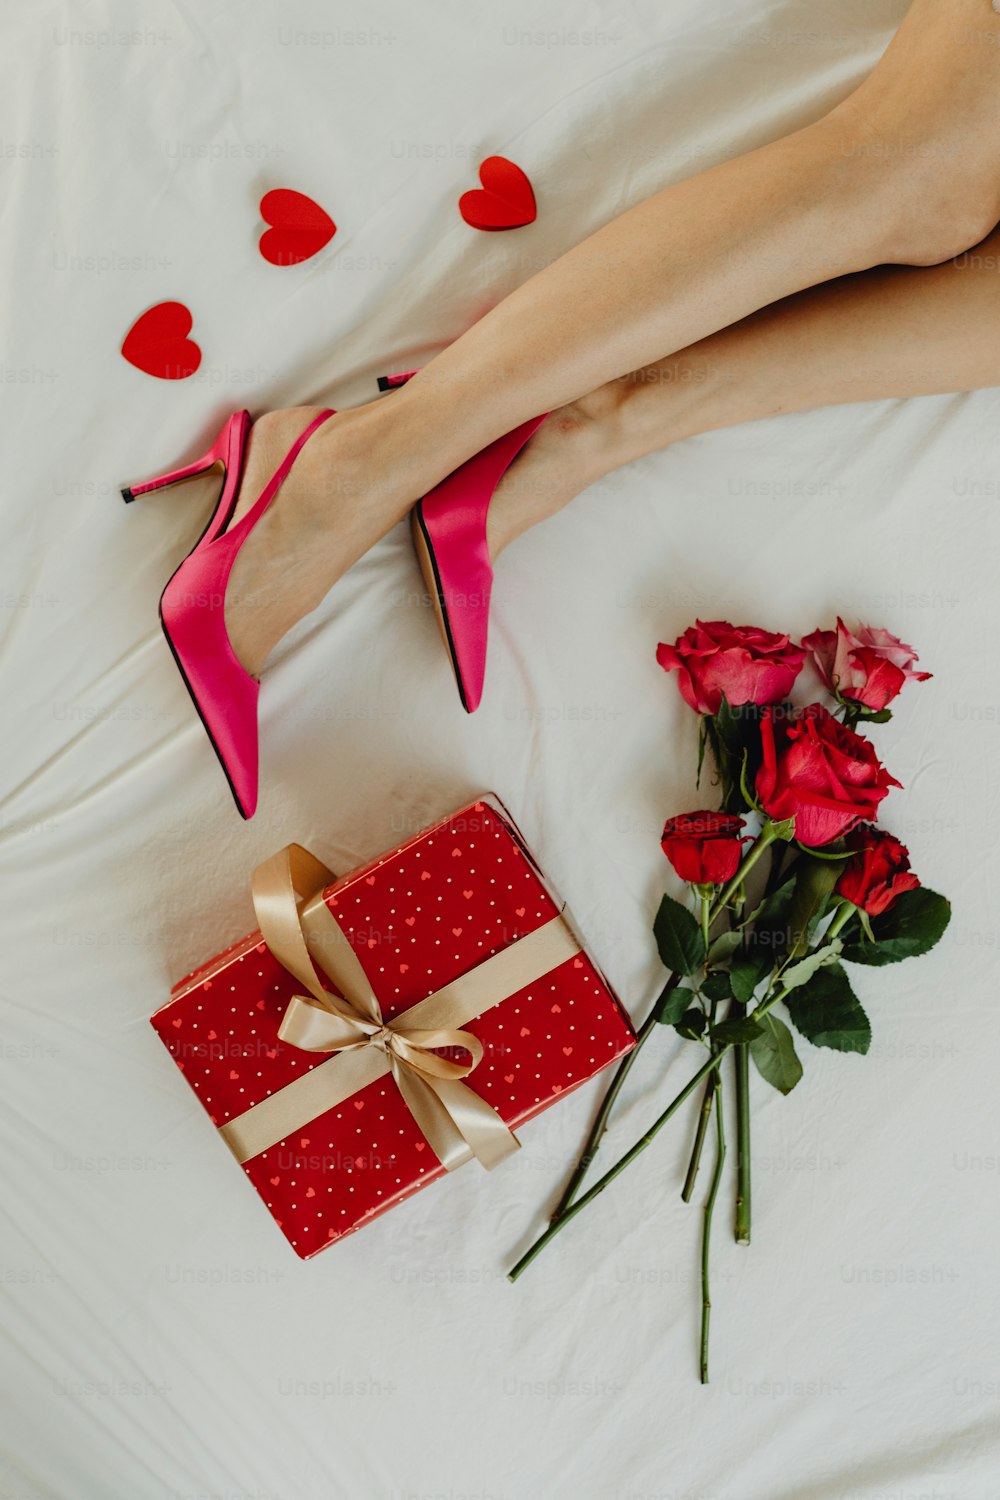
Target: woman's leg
[
  {"x": 890, "y": 332},
  {"x": 907, "y": 169}
]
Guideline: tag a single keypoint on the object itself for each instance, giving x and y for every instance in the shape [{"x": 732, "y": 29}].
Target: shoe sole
[{"x": 432, "y": 578}]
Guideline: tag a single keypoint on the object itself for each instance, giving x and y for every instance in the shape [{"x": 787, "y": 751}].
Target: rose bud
[
  {"x": 746, "y": 664},
  {"x": 869, "y": 668},
  {"x": 704, "y": 847},
  {"x": 877, "y": 872},
  {"x": 822, "y": 774}
]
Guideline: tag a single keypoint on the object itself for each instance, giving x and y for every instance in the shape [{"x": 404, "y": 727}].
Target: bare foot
[{"x": 326, "y": 515}]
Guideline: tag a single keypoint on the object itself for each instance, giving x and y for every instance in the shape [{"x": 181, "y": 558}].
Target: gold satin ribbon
[{"x": 456, "y": 1122}]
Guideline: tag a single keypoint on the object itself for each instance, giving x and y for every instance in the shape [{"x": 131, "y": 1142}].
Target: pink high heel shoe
[
  {"x": 449, "y": 533},
  {"x": 191, "y": 606}
]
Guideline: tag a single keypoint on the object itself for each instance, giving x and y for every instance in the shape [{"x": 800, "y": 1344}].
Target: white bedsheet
[{"x": 159, "y": 1338}]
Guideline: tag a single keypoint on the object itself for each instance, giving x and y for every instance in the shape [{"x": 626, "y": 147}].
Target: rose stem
[
  {"x": 764, "y": 842},
  {"x": 704, "y": 1115},
  {"x": 636, "y": 1150},
  {"x": 600, "y": 1124},
  {"x": 706, "y": 1238},
  {"x": 741, "y": 1227}
]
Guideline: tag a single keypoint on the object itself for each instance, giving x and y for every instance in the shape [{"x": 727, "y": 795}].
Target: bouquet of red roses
[{"x": 789, "y": 881}]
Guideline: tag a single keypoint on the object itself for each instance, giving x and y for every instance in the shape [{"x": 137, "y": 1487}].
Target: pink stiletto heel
[
  {"x": 192, "y": 605},
  {"x": 449, "y": 534}
]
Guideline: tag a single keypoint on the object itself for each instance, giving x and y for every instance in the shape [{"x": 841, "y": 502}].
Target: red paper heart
[
  {"x": 299, "y": 227},
  {"x": 176, "y": 1021},
  {"x": 505, "y": 200},
  {"x": 425, "y": 875},
  {"x": 410, "y": 921},
  {"x": 369, "y": 880},
  {"x": 310, "y": 1192},
  {"x": 233, "y": 1073},
  {"x": 158, "y": 343},
  {"x": 274, "y": 1181},
  {"x": 359, "y": 1104},
  {"x": 212, "y": 1035},
  {"x": 419, "y": 1145},
  {"x": 508, "y": 1078},
  {"x": 567, "y": 1051},
  {"x": 468, "y": 895}
]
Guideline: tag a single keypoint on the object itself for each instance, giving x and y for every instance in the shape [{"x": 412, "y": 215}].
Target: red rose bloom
[
  {"x": 747, "y": 664},
  {"x": 704, "y": 847},
  {"x": 823, "y": 775},
  {"x": 869, "y": 668},
  {"x": 877, "y": 873}
]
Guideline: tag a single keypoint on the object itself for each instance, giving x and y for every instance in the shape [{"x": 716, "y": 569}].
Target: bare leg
[
  {"x": 907, "y": 169},
  {"x": 889, "y": 332}
]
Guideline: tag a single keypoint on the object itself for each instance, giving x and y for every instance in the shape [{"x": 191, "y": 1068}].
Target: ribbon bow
[{"x": 454, "y": 1120}]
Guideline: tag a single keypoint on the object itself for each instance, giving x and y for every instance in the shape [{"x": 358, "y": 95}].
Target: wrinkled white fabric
[{"x": 159, "y": 1338}]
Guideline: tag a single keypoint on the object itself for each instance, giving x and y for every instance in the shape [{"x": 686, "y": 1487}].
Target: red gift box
[{"x": 419, "y": 919}]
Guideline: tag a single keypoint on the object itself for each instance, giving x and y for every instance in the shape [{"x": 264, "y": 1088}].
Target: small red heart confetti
[
  {"x": 567, "y": 1051},
  {"x": 233, "y": 1073},
  {"x": 403, "y": 968},
  {"x": 556, "y": 1010},
  {"x": 505, "y": 200},
  {"x": 359, "y": 1104},
  {"x": 299, "y": 227},
  {"x": 425, "y": 875},
  {"x": 260, "y": 1004},
  {"x": 419, "y": 1145},
  {"x": 359, "y": 1161},
  {"x": 274, "y": 1181},
  {"x": 373, "y": 942},
  {"x": 456, "y": 854},
  {"x": 310, "y": 1192},
  {"x": 508, "y": 1078},
  {"x": 207, "y": 984},
  {"x": 525, "y": 1030},
  {"x": 304, "y": 1141},
  {"x": 272, "y": 1051},
  {"x": 519, "y": 911},
  {"x": 369, "y": 880},
  {"x": 158, "y": 343},
  {"x": 212, "y": 1036},
  {"x": 578, "y": 963},
  {"x": 410, "y": 921},
  {"x": 176, "y": 1021},
  {"x": 456, "y": 931},
  {"x": 261, "y": 947},
  {"x": 468, "y": 895}
]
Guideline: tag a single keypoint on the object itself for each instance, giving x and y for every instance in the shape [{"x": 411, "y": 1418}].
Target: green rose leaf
[
  {"x": 829, "y": 1014},
  {"x": 814, "y": 880},
  {"x": 747, "y": 973},
  {"x": 716, "y": 987},
  {"x": 773, "y": 1051},
  {"x": 692, "y": 1024},
  {"x": 911, "y": 926},
  {"x": 801, "y": 973},
  {"x": 672, "y": 1006},
  {"x": 736, "y": 1031},
  {"x": 678, "y": 937},
  {"x": 723, "y": 947}
]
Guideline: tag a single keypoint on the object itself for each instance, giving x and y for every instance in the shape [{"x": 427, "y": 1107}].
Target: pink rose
[
  {"x": 748, "y": 665},
  {"x": 869, "y": 668}
]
